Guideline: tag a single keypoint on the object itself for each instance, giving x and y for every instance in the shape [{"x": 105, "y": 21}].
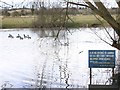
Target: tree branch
[
  {"x": 102, "y": 11},
  {"x": 106, "y": 15},
  {"x": 78, "y": 4},
  {"x": 102, "y": 39},
  {"x": 118, "y": 2},
  {"x": 105, "y": 28}
]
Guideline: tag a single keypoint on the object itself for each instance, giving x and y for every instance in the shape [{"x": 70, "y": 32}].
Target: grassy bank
[{"x": 27, "y": 22}]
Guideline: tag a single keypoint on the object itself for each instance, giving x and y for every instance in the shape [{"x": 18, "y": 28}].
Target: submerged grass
[{"x": 27, "y": 22}]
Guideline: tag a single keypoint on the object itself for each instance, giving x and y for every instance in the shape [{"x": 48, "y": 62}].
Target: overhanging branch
[
  {"x": 118, "y": 2},
  {"x": 102, "y": 11},
  {"x": 78, "y": 4}
]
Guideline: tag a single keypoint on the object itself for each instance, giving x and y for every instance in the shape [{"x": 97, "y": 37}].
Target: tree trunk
[{"x": 101, "y": 10}]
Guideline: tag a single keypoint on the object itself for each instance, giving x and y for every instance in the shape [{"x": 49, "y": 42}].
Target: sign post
[
  {"x": 101, "y": 59},
  {"x": 90, "y": 76}
]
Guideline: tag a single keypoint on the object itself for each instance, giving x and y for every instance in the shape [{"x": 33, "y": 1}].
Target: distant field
[
  {"x": 17, "y": 22},
  {"x": 27, "y": 22},
  {"x": 88, "y": 20}
]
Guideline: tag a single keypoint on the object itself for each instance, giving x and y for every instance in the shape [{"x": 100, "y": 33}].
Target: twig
[
  {"x": 63, "y": 23},
  {"x": 78, "y": 4},
  {"x": 102, "y": 39},
  {"x": 103, "y": 27}
]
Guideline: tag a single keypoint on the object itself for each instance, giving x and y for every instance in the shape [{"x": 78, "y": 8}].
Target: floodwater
[{"x": 46, "y": 61}]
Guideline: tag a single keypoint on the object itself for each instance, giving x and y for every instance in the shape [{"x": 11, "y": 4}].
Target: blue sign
[{"x": 101, "y": 58}]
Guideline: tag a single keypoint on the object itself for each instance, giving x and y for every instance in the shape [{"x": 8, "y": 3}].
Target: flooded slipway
[{"x": 43, "y": 61}]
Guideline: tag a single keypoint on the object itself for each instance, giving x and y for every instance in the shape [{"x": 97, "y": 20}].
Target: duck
[
  {"x": 21, "y": 38},
  {"x": 28, "y": 37},
  {"x": 18, "y": 36},
  {"x": 10, "y": 36},
  {"x": 24, "y": 36}
]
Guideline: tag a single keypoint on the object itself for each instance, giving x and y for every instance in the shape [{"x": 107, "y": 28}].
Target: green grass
[
  {"x": 17, "y": 22},
  {"x": 88, "y": 20},
  {"x": 27, "y": 22}
]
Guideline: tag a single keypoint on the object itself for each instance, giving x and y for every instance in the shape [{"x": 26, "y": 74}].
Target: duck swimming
[
  {"x": 10, "y": 36},
  {"x": 24, "y": 36},
  {"x": 18, "y": 36},
  {"x": 21, "y": 38},
  {"x": 28, "y": 37}
]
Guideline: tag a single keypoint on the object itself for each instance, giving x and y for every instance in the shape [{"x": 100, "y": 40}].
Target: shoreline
[
  {"x": 80, "y": 21},
  {"x": 38, "y": 29}
]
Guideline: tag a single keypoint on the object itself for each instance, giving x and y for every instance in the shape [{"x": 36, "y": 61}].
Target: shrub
[{"x": 15, "y": 13}]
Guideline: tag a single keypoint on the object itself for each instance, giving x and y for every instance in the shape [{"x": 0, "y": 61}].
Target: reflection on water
[{"x": 42, "y": 61}]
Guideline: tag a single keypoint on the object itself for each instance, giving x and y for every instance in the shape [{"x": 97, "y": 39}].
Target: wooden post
[
  {"x": 113, "y": 75},
  {"x": 90, "y": 76}
]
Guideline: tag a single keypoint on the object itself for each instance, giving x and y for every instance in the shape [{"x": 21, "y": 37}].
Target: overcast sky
[{"x": 108, "y": 3}]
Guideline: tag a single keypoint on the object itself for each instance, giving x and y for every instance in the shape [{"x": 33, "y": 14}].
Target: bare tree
[{"x": 99, "y": 9}]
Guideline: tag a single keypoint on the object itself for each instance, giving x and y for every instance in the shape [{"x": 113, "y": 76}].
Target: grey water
[{"x": 47, "y": 61}]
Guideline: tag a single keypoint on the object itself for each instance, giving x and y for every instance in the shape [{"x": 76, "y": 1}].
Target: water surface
[{"x": 43, "y": 61}]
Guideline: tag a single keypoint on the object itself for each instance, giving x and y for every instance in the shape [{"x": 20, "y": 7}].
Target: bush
[
  {"x": 5, "y": 13},
  {"x": 15, "y": 13}
]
